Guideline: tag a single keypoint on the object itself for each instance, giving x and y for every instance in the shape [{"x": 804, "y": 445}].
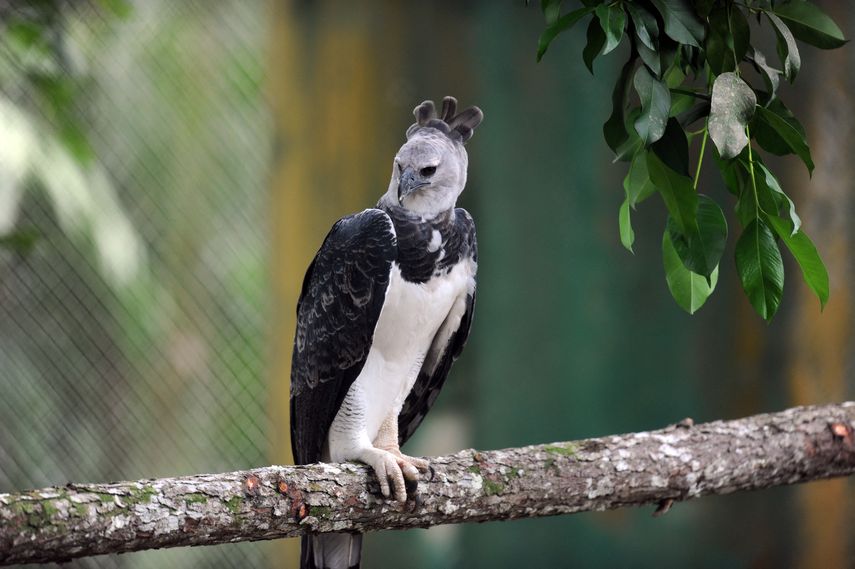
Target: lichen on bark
[{"x": 680, "y": 462}]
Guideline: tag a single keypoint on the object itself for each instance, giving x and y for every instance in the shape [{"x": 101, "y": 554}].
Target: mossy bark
[{"x": 657, "y": 467}]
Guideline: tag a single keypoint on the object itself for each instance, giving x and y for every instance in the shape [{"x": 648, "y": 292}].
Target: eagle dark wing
[
  {"x": 429, "y": 382},
  {"x": 343, "y": 293}
]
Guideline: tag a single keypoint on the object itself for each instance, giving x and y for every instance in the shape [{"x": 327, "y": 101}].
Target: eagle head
[{"x": 430, "y": 168}]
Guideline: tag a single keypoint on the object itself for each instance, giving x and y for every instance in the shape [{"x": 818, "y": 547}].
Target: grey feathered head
[{"x": 430, "y": 168}]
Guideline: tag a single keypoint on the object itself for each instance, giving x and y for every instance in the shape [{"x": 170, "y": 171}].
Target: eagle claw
[{"x": 395, "y": 472}]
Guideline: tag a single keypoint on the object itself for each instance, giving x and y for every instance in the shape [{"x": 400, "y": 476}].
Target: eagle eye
[{"x": 428, "y": 171}]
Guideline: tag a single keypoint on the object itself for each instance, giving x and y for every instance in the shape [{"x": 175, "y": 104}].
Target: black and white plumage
[{"x": 385, "y": 309}]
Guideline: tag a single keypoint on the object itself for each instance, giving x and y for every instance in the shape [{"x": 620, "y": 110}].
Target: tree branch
[{"x": 657, "y": 467}]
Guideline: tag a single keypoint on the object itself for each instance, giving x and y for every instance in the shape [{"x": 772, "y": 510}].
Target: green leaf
[
  {"x": 627, "y": 235},
  {"x": 650, "y": 58},
  {"x": 691, "y": 58},
  {"x": 677, "y": 192},
  {"x": 805, "y": 254},
  {"x": 772, "y": 183},
  {"x": 628, "y": 148},
  {"x": 766, "y": 137},
  {"x": 551, "y": 10},
  {"x": 703, "y": 7},
  {"x": 120, "y": 8},
  {"x": 731, "y": 107},
  {"x": 681, "y": 23},
  {"x": 769, "y": 73},
  {"x": 811, "y": 25},
  {"x": 667, "y": 59},
  {"x": 719, "y": 56},
  {"x": 57, "y": 94},
  {"x": 786, "y": 134},
  {"x": 760, "y": 268},
  {"x": 733, "y": 174},
  {"x": 699, "y": 111},
  {"x": 680, "y": 103},
  {"x": 23, "y": 36},
  {"x": 750, "y": 204},
  {"x": 596, "y": 40},
  {"x": 614, "y": 129},
  {"x": 655, "y": 106},
  {"x": 788, "y": 51},
  {"x": 689, "y": 289},
  {"x": 563, "y": 23},
  {"x": 612, "y": 20},
  {"x": 740, "y": 33},
  {"x": 701, "y": 248},
  {"x": 646, "y": 27},
  {"x": 637, "y": 185},
  {"x": 21, "y": 241},
  {"x": 673, "y": 76},
  {"x": 727, "y": 39},
  {"x": 737, "y": 177},
  {"x": 673, "y": 148},
  {"x": 778, "y": 107}
]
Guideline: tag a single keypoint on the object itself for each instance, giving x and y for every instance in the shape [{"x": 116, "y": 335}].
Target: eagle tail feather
[{"x": 331, "y": 551}]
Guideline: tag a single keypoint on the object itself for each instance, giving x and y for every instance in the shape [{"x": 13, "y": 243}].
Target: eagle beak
[{"x": 409, "y": 183}]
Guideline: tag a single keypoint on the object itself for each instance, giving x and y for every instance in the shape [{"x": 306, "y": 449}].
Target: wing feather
[{"x": 343, "y": 293}]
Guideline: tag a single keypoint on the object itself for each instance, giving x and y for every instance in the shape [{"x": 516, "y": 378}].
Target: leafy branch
[{"x": 692, "y": 65}]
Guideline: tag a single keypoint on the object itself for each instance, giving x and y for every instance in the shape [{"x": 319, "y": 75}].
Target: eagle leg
[{"x": 410, "y": 466}]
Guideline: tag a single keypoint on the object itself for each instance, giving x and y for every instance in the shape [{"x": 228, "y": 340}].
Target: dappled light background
[{"x": 168, "y": 169}]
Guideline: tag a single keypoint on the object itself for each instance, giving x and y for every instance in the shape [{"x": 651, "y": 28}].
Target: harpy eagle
[{"x": 385, "y": 310}]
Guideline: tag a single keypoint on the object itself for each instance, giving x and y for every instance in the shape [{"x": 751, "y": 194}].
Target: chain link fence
[{"x": 134, "y": 147}]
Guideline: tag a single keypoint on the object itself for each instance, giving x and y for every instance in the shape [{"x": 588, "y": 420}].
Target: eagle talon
[
  {"x": 414, "y": 502},
  {"x": 387, "y": 469},
  {"x": 412, "y": 486}
]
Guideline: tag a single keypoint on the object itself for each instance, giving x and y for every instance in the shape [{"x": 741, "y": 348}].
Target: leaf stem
[
  {"x": 701, "y": 158},
  {"x": 730, "y": 29},
  {"x": 753, "y": 178}
]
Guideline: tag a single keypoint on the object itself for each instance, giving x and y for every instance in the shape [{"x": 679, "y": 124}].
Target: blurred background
[{"x": 168, "y": 169}]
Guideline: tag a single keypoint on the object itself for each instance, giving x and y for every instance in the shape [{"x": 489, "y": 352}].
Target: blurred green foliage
[
  {"x": 46, "y": 145},
  {"x": 133, "y": 155}
]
